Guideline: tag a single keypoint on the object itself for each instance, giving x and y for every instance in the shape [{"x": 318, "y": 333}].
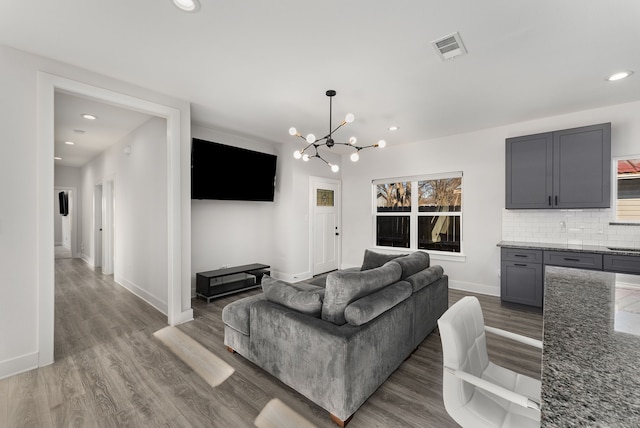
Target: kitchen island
[{"x": 590, "y": 369}]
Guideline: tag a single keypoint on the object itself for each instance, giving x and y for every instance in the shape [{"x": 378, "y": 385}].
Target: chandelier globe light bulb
[{"x": 328, "y": 141}]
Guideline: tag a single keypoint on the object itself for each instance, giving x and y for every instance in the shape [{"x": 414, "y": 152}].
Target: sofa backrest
[
  {"x": 345, "y": 287},
  {"x": 413, "y": 263}
]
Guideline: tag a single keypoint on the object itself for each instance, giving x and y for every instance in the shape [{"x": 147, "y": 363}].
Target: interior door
[{"x": 325, "y": 196}]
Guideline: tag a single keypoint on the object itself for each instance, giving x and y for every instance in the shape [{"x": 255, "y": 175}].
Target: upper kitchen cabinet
[{"x": 562, "y": 169}]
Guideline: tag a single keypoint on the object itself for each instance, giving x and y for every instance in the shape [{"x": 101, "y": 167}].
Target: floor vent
[{"x": 449, "y": 46}]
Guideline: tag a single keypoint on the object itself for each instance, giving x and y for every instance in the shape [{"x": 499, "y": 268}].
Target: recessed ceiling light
[
  {"x": 620, "y": 75},
  {"x": 89, "y": 116},
  {"x": 394, "y": 128},
  {"x": 187, "y": 5},
  {"x": 69, "y": 143},
  {"x": 57, "y": 158}
]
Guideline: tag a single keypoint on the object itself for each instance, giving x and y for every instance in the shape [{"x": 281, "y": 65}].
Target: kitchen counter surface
[
  {"x": 590, "y": 370},
  {"x": 597, "y": 249}
]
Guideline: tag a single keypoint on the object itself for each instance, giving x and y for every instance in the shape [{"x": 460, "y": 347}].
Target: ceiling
[
  {"x": 256, "y": 68},
  {"x": 89, "y": 137}
]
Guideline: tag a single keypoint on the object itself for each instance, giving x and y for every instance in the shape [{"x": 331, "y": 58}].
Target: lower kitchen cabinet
[{"x": 521, "y": 276}]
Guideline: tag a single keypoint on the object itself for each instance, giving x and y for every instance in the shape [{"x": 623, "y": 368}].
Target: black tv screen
[{"x": 223, "y": 172}]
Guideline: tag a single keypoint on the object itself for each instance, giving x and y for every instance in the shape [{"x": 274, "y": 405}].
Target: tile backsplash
[{"x": 572, "y": 227}]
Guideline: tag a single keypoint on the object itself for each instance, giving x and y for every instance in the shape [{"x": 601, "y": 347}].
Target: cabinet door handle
[
  {"x": 520, "y": 264},
  {"x": 520, "y": 255},
  {"x": 549, "y": 200},
  {"x": 571, "y": 260},
  {"x": 556, "y": 199}
]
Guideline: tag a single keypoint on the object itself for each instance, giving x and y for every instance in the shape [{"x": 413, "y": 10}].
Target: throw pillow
[
  {"x": 369, "y": 307},
  {"x": 373, "y": 260},
  {"x": 344, "y": 287},
  {"x": 413, "y": 263},
  {"x": 303, "y": 298}
]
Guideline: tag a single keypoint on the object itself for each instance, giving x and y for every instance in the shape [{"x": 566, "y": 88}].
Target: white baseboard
[
  {"x": 18, "y": 365},
  {"x": 184, "y": 316},
  {"x": 143, "y": 294},
  {"x": 475, "y": 288},
  {"x": 88, "y": 260}
]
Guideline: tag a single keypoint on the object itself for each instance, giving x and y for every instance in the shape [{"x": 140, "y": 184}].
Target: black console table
[{"x": 220, "y": 282}]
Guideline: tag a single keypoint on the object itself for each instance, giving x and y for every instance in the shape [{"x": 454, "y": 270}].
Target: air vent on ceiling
[{"x": 449, "y": 46}]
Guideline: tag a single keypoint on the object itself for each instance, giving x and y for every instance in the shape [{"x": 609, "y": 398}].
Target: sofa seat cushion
[
  {"x": 345, "y": 287},
  {"x": 304, "y": 298},
  {"x": 237, "y": 314},
  {"x": 413, "y": 263},
  {"x": 369, "y": 307},
  {"x": 373, "y": 259},
  {"x": 425, "y": 277}
]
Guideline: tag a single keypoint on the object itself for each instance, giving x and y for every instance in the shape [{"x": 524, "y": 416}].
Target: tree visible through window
[
  {"x": 393, "y": 230},
  {"x": 440, "y": 229},
  {"x": 430, "y": 219}
]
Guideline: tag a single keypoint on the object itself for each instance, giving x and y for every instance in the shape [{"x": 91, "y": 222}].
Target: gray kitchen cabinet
[
  {"x": 563, "y": 169},
  {"x": 521, "y": 279}
]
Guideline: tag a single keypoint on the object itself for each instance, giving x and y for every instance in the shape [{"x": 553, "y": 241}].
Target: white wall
[
  {"x": 27, "y": 174},
  {"x": 481, "y": 156},
  {"x": 140, "y": 240},
  {"x": 228, "y": 233}
]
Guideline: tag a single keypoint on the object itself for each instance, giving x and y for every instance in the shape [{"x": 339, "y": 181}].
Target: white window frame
[
  {"x": 614, "y": 193},
  {"x": 414, "y": 214}
]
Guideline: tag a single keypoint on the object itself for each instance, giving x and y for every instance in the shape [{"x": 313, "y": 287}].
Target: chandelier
[{"x": 328, "y": 141}]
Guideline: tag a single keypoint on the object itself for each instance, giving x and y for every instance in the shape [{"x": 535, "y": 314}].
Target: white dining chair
[{"x": 476, "y": 392}]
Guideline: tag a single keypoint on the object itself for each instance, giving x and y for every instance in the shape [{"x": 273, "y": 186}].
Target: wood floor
[{"x": 110, "y": 370}]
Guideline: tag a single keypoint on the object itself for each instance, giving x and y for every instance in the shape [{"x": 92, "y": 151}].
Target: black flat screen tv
[{"x": 223, "y": 172}]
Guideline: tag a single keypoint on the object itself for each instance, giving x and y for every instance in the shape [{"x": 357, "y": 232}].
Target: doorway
[
  {"x": 178, "y": 297},
  {"x": 65, "y": 222},
  {"x": 104, "y": 225},
  {"x": 326, "y": 239}
]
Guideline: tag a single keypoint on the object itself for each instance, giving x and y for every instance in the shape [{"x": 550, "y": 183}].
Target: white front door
[{"x": 325, "y": 225}]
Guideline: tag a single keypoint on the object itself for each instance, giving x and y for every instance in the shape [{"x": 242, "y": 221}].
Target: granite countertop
[
  {"x": 598, "y": 249},
  {"x": 590, "y": 371}
]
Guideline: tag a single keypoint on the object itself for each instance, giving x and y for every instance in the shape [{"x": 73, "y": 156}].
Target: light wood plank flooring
[{"x": 110, "y": 370}]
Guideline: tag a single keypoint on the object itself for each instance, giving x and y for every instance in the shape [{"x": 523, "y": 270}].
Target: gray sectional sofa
[{"x": 337, "y": 344}]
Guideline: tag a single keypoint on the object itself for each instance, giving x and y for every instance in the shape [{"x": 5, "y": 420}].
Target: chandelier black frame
[{"x": 328, "y": 140}]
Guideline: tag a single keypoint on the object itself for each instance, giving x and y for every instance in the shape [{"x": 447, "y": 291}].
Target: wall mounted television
[{"x": 223, "y": 172}]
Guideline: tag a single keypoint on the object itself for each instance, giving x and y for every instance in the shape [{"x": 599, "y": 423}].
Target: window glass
[
  {"x": 324, "y": 198},
  {"x": 442, "y": 195},
  {"x": 392, "y": 231},
  {"x": 628, "y": 185},
  {"x": 431, "y": 221},
  {"x": 393, "y": 197},
  {"x": 439, "y": 233}
]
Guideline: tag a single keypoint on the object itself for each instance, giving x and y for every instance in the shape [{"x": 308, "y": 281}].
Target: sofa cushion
[
  {"x": 369, "y": 307},
  {"x": 345, "y": 287},
  {"x": 413, "y": 263},
  {"x": 373, "y": 260},
  {"x": 425, "y": 277},
  {"x": 305, "y": 298}
]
